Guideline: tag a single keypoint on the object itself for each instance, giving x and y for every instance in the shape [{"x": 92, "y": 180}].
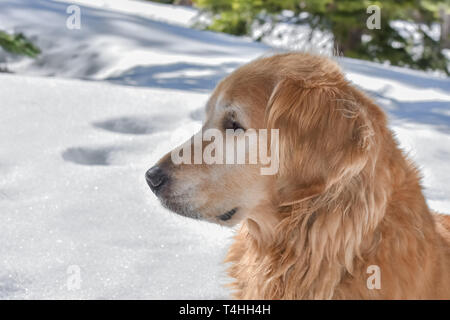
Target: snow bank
[
  {"x": 127, "y": 48},
  {"x": 73, "y": 193}
]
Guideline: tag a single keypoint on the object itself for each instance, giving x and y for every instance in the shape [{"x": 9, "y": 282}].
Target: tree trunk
[
  {"x": 445, "y": 28},
  {"x": 348, "y": 42}
]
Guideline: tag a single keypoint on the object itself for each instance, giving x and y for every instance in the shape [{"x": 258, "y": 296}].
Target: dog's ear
[{"x": 325, "y": 136}]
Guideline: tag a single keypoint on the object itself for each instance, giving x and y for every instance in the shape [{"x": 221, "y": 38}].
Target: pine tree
[{"x": 346, "y": 20}]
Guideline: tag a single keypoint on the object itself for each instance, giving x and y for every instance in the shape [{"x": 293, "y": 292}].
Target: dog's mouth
[
  {"x": 187, "y": 211},
  {"x": 228, "y": 215}
]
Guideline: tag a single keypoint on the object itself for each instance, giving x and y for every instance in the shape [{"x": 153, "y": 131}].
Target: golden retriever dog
[{"x": 345, "y": 205}]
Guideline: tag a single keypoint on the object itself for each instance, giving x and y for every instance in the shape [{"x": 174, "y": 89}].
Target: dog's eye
[
  {"x": 237, "y": 126},
  {"x": 232, "y": 124}
]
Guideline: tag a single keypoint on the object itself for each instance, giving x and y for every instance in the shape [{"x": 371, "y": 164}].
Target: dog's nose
[{"x": 155, "y": 177}]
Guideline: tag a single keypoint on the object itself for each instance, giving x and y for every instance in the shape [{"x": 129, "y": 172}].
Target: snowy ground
[{"x": 74, "y": 151}]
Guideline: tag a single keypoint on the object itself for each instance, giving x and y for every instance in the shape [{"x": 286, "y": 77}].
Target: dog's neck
[{"x": 317, "y": 241}]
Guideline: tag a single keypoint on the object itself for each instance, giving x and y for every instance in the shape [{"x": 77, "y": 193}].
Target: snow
[
  {"x": 129, "y": 49},
  {"x": 74, "y": 151},
  {"x": 178, "y": 15},
  {"x": 73, "y": 193}
]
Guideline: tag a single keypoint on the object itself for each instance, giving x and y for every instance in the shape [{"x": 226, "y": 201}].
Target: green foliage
[
  {"x": 236, "y": 16},
  {"x": 346, "y": 20},
  {"x": 18, "y": 44}
]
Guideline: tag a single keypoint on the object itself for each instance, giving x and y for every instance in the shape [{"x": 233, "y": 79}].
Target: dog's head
[{"x": 324, "y": 138}]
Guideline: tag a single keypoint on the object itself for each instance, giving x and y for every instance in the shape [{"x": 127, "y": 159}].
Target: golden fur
[
  {"x": 350, "y": 199},
  {"x": 345, "y": 197}
]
